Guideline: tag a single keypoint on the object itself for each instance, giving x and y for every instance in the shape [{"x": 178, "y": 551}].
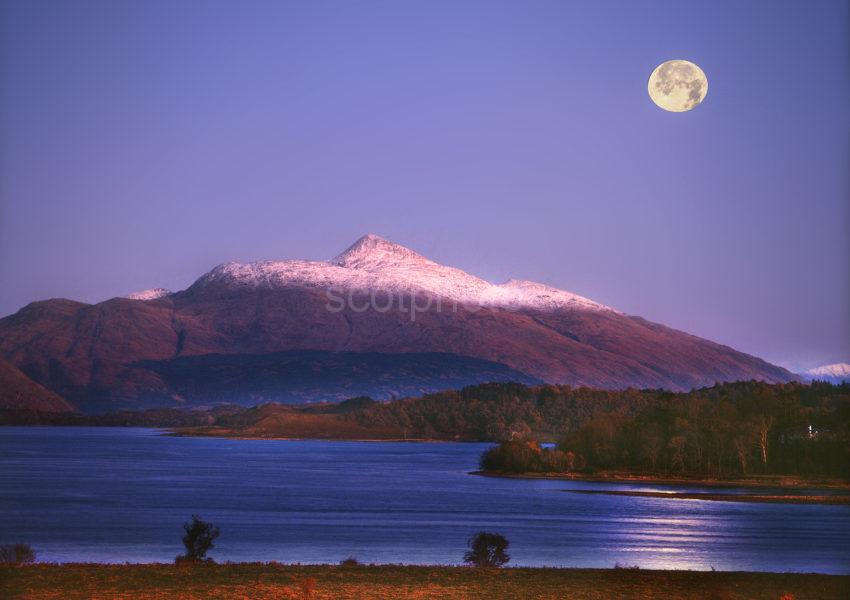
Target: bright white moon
[{"x": 677, "y": 85}]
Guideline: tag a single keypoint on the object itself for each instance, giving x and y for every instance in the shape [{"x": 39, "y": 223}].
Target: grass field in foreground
[{"x": 284, "y": 582}]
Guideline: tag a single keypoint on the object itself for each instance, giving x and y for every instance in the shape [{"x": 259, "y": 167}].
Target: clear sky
[{"x": 145, "y": 142}]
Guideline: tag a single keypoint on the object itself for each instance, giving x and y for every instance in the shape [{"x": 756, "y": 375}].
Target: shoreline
[
  {"x": 789, "y": 482},
  {"x": 272, "y": 565},
  {"x": 770, "y": 481},
  {"x": 191, "y": 432},
  {"x": 835, "y": 499}
]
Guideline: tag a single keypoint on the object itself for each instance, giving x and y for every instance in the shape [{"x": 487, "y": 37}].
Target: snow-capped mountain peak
[
  {"x": 151, "y": 294},
  {"x": 835, "y": 372},
  {"x": 374, "y": 252},
  {"x": 374, "y": 264}
]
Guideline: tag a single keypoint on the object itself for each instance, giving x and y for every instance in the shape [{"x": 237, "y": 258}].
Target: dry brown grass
[{"x": 284, "y": 582}]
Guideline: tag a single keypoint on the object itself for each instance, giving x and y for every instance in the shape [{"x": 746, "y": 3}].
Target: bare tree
[
  {"x": 677, "y": 444},
  {"x": 651, "y": 448},
  {"x": 741, "y": 449},
  {"x": 765, "y": 423}
]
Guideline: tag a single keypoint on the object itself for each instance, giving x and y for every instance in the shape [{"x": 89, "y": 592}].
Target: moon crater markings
[{"x": 677, "y": 85}]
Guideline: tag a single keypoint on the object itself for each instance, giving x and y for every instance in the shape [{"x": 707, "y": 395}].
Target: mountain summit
[
  {"x": 376, "y": 265},
  {"x": 378, "y": 320},
  {"x": 834, "y": 373},
  {"x": 374, "y": 252}
]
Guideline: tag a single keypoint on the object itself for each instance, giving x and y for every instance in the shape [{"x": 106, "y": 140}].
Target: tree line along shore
[{"x": 752, "y": 432}]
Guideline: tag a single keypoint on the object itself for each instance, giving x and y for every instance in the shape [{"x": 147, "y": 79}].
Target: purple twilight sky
[{"x": 145, "y": 142}]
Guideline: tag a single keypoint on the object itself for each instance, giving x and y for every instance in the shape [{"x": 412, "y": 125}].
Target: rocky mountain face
[
  {"x": 17, "y": 391},
  {"x": 298, "y": 376},
  {"x": 376, "y": 298}
]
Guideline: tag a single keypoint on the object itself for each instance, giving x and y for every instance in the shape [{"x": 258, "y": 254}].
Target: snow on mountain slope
[
  {"x": 151, "y": 294},
  {"x": 374, "y": 264},
  {"x": 835, "y": 372},
  {"x": 100, "y": 356}
]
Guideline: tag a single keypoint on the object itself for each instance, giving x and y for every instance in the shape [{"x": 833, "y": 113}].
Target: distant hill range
[{"x": 378, "y": 320}]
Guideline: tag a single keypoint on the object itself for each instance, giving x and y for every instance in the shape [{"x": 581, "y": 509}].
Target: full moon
[{"x": 677, "y": 85}]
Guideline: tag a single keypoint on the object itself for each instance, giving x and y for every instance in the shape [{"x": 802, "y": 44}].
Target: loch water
[{"x": 122, "y": 494}]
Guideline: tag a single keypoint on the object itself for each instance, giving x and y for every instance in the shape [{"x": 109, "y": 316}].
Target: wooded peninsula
[{"x": 729, "y": 431}]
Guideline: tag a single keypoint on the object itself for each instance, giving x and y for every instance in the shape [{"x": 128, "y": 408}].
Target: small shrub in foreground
[
  {"x": 16, "y": 554},
  {"x": 198, "y": 540},
  {"x": 487, "y": 550}
]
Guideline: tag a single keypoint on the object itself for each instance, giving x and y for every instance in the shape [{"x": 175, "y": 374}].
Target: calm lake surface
[{"x": 117, "y": 494}]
